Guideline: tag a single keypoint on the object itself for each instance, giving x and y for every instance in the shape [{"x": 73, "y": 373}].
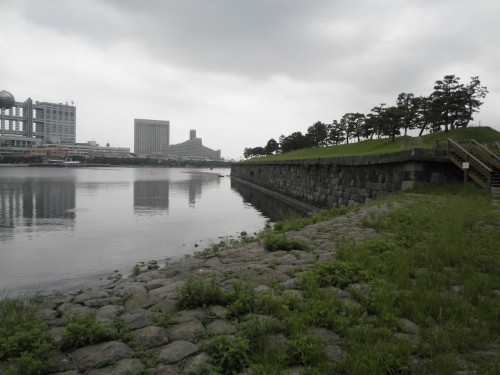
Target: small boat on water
[{"x": 70, "y": 162}]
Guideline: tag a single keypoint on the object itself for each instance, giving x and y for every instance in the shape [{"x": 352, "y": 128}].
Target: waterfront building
[
  {"x": 51, "y": 122},
  {"x": 12, "y": 145},
  {"x": 31, "y": 147},
  {"x": 191, "y": 149},
  {"x": 92, "y": 150},
  {"x": 150, "y": 136}
]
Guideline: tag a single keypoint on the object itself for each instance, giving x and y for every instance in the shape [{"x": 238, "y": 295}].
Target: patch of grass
[
  {"x": 229, "y": 356},
  {"x": 278, "y": 241},
  {"x": 84, "y": 330},
  {"x": 372, "y": 350},
  {"x": 24, "y": 341},
  {"x": 336, "y": 273},
  {"x": 136, "y": 270},
  {"x": 436, "y": 263},
  {"x": 201, "y": 292},
  {"x": 166, "y": 319},
  {"x": 241, "y": 299},
  {"x": 149, "y": 358},
  {"x": 303, "y": 349},
  {"x": 208, "y": 252},
  {"x": 301, "y": 222}
]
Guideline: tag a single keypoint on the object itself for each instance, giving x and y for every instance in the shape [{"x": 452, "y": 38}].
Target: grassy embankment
[
  {"x": 426, "y": 293},
  {"x": 385, "y": 145}
]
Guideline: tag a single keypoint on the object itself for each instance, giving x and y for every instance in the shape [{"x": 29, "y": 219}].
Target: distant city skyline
[{"x": 248, "y": 71}]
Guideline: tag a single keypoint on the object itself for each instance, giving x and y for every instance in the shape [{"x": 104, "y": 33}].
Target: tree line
[{"x": 451, "y": 105}]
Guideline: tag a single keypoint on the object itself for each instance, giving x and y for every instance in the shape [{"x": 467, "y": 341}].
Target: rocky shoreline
[
  {"x": 137, "y": 300},
  {"x": 140, "y": 301}
]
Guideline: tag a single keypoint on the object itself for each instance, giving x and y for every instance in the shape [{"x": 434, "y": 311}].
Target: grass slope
[{"x": 385, "y": 145}]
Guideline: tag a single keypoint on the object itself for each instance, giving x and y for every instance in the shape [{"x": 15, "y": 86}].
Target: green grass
[
  {"x": 85, "y": 330},
  {"x": 201, "y": 292},
  {"x": 383, "y": 146},
  {"x": 437, "y": 264},
  {"x": 278, "y": 241},
  {"x": 25, "y": 344}
]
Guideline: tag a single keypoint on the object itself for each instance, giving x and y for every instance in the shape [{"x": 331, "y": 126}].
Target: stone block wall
[{"x": 331, "y": 182}]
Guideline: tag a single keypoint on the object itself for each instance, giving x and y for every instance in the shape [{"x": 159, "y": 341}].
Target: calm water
[{"x": 59, "y": 226}]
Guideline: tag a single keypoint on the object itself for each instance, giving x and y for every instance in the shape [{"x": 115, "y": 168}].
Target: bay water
[{"x": 67, "y": 227}]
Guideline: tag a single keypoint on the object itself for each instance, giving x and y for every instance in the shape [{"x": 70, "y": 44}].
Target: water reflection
[
  {"x": 151, "y": 196},
  {"x": 30, "y": 203},
  {"x": 271, "y": 207}
]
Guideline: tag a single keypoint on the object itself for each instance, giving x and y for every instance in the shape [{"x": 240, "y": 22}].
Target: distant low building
[
  {"x": 92, "y": 150},
  {"x": 12, "y": 145},
  {"x": 192, "y": 149},
  {"x": 19, "y": 146}
]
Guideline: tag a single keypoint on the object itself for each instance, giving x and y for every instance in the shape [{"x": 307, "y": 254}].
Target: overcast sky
[{"x": 241, "y": 71}]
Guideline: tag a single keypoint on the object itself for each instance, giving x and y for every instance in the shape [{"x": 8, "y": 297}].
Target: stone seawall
[{"x": 330, "y": 182}]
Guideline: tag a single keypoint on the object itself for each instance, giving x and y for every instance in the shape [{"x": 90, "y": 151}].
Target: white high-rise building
[{"x": 150, "y": 136}]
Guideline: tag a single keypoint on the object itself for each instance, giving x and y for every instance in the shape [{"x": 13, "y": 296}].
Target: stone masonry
[{"x": 330, "y": 182}]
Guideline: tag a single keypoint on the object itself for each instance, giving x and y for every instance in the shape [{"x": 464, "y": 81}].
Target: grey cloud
[{"x": 257, "y": 38}]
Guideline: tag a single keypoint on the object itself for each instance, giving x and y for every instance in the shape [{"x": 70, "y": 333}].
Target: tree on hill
[
  {"x": 391, "y": 118},
  {"x": 271, "y": 147},
  {"x": 249, "y": 152},
  {"x": 352, "y": 123},
  {"x": 473, "y": 94},
  {"x": 448, "y": 101},
  {"x": 451, "y": 105},
  {"x": 408, "y": 107},
  {"x": 318, "y": 134},
  {"x": 373, "y": 122},
  {"x": 336, "y": 133},
  {"x": 294, "y": 141}
]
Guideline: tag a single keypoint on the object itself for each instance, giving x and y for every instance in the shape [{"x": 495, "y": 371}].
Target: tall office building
[
  {"x": 51, "y": 122},
  {"x": 150, "y": 136}
]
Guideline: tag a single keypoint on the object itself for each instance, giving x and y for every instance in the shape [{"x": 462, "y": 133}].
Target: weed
[
  {"x": 337, "y": 273},
  {"x": 301, "y": 222},
  {"x": 241, "y": 299},
  {"x": 123, "y": 331},
  {"x": 303, "y": 349},
  {"x": 374, "y": 351},
  {"x": 200, "y": 292},
  {"x": 166, "y": 319},
  {"x": 274, "y": 264},
  {"x": 84, "y": 330},
  {"x": 24, "y": 341},
  {"x": 150, "y": 359},
  {"x": 229, "y": 356},
  {"x": 136, "y": 271},
  {"x": 125, "y": 297},
  {"x": 277, "y": 241},
  {"x": 208, "y": 252}
]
